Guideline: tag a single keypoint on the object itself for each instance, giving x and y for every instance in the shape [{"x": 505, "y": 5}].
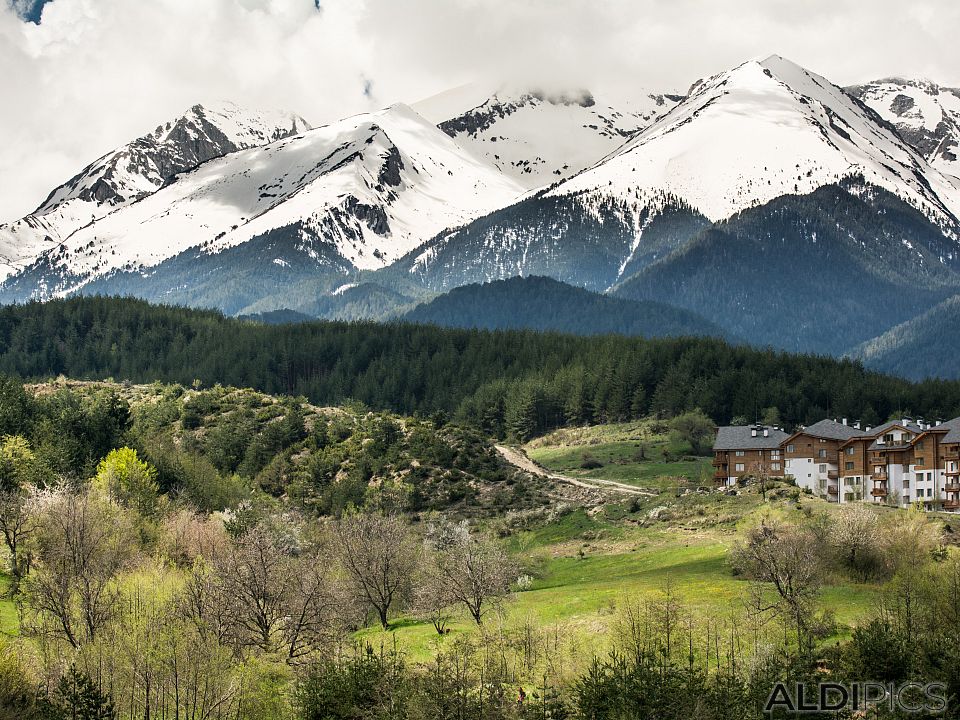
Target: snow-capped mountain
[
  {"x": 538, "y": 138},
  {"x": 757, "y": 132},
  {"x": 926, "y": 115},
  {"x": 766, "y": 175},
  {"x": 370, "y": 188},
  {"x": 138, "y": 169},
  {"x": 739, "y": 140}
]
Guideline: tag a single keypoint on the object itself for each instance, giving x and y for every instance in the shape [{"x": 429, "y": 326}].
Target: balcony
[
  {"x": 952, "y": 473},
  {"x": 717, "y": 462},
  {"x": 879, "y": 492},
  {"x": 720, "y": 475},
  {"x": 951, "y": 504},
  {"x": 833, "y": 475},
  {"x": 951, "y": 487},
  {"x": 833, "y": 490}
]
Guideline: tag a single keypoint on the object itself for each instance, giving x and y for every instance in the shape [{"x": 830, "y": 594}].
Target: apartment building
[
  {"x": 754, "y": 450},
  {"x": 813, "y": 457},
  {"x": 900, "y": 463}
]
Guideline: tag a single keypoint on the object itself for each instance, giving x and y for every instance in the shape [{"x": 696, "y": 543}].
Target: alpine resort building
[{"x": 899, "y": 463}]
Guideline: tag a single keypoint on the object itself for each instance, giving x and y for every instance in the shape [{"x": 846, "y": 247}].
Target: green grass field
[
  {"x": 9, "y": 620},
  {"x": 640, "y": 453},
  {"x": 585, "y": 567}
]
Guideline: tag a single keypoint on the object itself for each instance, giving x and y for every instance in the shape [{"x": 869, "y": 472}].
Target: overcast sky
[{"x": 94, "y": 74}]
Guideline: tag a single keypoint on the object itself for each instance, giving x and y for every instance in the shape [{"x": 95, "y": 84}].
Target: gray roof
[
  {"x": 832, "y": 430},
  {"x": 951, "y": 426},
  {"x": 953, "y": 430},
  {"x": 740, "y": 437},
  {"x": 881, "y": 429}
]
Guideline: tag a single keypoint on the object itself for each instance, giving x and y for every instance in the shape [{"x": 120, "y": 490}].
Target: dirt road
[{"x": 519, "y": 459}]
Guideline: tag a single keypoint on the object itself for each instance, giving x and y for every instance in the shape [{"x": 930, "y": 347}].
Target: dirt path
[{"x": 519, "y": 459}]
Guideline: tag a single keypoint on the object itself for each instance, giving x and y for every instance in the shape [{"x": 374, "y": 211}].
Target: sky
[{"x": 81, "y": 77}]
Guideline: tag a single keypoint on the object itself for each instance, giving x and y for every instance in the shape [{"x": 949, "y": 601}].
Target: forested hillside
[
  {"x": 813, "y": 273},
  {"x": 926, "y": 346},
  {"x": 505, "y": 382},
  {"x": 541, "y": 303}
]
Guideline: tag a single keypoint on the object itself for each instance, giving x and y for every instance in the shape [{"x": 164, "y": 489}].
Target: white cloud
[{"x": 96, "y": 73}]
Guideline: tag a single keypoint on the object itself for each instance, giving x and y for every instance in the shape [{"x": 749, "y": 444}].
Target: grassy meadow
[
  {"x": 584, "y": 564},
  {"x": 640, "y": 453}
]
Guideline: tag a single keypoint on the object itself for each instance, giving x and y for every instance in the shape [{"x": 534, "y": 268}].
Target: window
[
  {"x": 774, "y": 454},
  {"x": 822, "y": 453},
  {"x": 823, "y": 468},
  {"x": 849, "y": 466},
  {"x": 906, "y": 481},
  {"x": 775, "y": 466},
  {"x": 850, "y": 450},
  {"x": 920, "y": 445},
  {"x": 906, "y": 498},
  {"x": 790, "y": 448},
  {"x": 739, "y": 467},
  {"x": 929, "y": 492},
  {"x": 920, "y": 461},
  {"x": 739, "y": 453}
]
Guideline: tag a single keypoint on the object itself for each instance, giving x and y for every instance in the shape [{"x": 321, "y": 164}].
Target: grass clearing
[
  {"x": 586, "y": 563},
  {"x": 640, "y": 453},
  {"x": 9, "y": 617},
  {"x": 585, "y": 566}
]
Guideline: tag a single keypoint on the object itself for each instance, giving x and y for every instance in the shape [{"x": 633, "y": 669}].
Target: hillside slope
[
  {"x": 540, "y": 303},
  {"x": 817, "y": 272},
  {"x": 924, "y": 346}
]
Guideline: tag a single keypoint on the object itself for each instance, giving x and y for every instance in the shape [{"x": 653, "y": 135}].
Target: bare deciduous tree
[
  {"x": 380, "y": 556},
  {"x": 786, "y": 558},
  {"x": 83, "y": 542},
  {"x": 855, "y": 536},
  {"x": 469, "y": 569},
  {"x": 262, "y": 593}
]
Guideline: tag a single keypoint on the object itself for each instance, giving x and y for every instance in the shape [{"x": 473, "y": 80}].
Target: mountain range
[{"x": 766, "y": 204}]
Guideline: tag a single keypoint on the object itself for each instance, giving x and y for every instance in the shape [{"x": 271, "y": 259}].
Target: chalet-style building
[
  {"x": 814, "y": 459},
  {"x": 744, "y": 450},
  {"x": 891, "y": 461},
  {"x": 901, "y": 463}
]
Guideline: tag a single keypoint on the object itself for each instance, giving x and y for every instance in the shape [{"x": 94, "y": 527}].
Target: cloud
[{"x": 96, "y": 73}]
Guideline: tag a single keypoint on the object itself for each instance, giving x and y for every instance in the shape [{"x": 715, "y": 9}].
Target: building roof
[
  {"x": 832, "y": 430},
  {"x": 740, "y": 437},
  {"x": 909, "y": 425},
  {"x": 913, "y": 427},
  {"x": 953, "y": 430}
]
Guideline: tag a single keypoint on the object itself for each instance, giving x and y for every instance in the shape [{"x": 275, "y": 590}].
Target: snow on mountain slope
[
  {"x": 926, "y": 115},
  {"x": 372, "y": 186},
  {"x": 759, "y": 131},
  {"x": 538, "y": 138},
  {"x": 138, "y": 169}
]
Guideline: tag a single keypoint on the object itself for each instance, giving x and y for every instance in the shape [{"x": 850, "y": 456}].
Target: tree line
[{"x": 506, "y": 382}]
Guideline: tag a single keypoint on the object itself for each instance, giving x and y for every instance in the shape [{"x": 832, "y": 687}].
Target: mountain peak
[
  {"x": 764, "y": 129},
  {"x": 926, "y": 115},
  {"x": 138, "y": 169}
]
